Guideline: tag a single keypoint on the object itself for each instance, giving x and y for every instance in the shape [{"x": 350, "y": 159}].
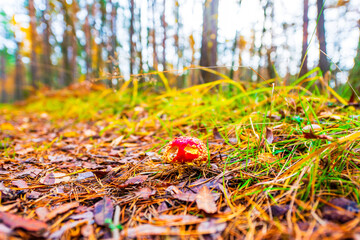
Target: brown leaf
[
  {"x": 103, "y": 210},
  {"x": 84, "y": 175},
  {"x": 205, "y": 200},
  {"x": 14, "y": 221},
  {"x": 57, "y": 234},
  {"x": 136, "y": 180},
  {"x": 42, "y": 212},
  {"x": 62, "y": 209},
  {"x": 148, "y": 230},
  {"x": 216, "y": 134},
  {"x": 333, "y": 210},
  {"x": 186, "y": 197},
  {"x": 211, "y": 228},
  {"x": 20, "y": 183},
  {"x": 163, "y": 207},
  {"x": 269, "y": 135},
  {"x": 54, "y": 178},
  {"x": 177, "y": 220},
  {"x": 279, "y": 210},
  {"x": 145, "y": 193}
]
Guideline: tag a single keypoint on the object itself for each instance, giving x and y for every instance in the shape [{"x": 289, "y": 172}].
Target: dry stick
[
  {"x": 294, "y": 188},
  {"x": 116, "y": 232}
]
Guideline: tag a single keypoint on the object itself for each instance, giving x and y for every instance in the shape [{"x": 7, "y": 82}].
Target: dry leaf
[
  {"x": 145, "y": 193},
  {"x": 15, "y": 221},
  {"x": 205, "y": 200},
  {"x": 103, "y": 210},
  {"x": 54, "y": 178},
  {"x": 61, "y": 209}
]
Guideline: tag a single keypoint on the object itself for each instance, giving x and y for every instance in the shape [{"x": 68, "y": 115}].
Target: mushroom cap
[{"x": 185, "y": 150}]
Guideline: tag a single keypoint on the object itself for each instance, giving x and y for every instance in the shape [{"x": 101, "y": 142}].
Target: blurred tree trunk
[
  {"x": 176, "y": 34},
  {"x": 18, "y": 93},
  {"x": 139, "y": 49},
  {"x": 131, "y": 34},
  {"x": 65, "y": 78},
  {"x": 153, "y": 36},
  {"x": 88, "y": 43},
  {"x": 33, "y": 57},
  {"x": 323, "y": 62},
  {"x": 354, "y": 74},
  {"x": 209, "y": 38},
  {"x": 46, "y": 61},
  {"x": 69, "y": 44},
  {"x": 233, "y": 50},
  {"x": 304, "y": 67},
  {"x": 3, "y": 78},
  {"x": 74, "y": 45},
  {"x": 112, "y": 42},
  {"x": 163, "y": 23}
]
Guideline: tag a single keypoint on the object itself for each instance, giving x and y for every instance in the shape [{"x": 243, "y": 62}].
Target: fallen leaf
[
  {"x": 136, "y": 180},
  {"x": 117, "y": 141},
  {"x": 87, "y": 215},
  {"x": 145, "y": 193},
  {"x": 32, "y": 172},
  {"x": 25, "y": 151},
  {"x": 186, "y": 197},
  {"x": 20, "y": 183},
  {"x": 205, "y": 200},
  {"x": 269, "y": 135},
  {"x": 211, "y": 228},
  {"x": 42, "y": 212},
  {"x": 162, "y": 207},
  {"x": 59, "y": 158},
  {"x": 84, "y": 175},
  {"x": 216, "y": 134},
  {"x": 148, "y": 230},
  {"x": 15, "y": 221},
  {"x": 177, "y": 220},
  {"x": 54, "y": 178},
  {"x": 5, "y": 229},
  {"x": 337, "y": 214},
  {"x": 103, "y": 210},
  {"x": 61, "y": 209},
  {"x": 279, "y": 210},
  {"x": 34, "y": 195},
  {"x": 57, "y": 234}
]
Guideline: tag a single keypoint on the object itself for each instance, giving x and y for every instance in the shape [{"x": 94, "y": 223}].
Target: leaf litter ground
[{"x": 85, "y": 162}]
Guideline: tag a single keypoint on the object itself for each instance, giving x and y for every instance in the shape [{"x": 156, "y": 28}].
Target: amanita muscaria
[{"x": 185, "y": 150}]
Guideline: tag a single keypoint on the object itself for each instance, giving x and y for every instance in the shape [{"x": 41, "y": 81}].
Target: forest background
[{"x": 54, "y": 43}]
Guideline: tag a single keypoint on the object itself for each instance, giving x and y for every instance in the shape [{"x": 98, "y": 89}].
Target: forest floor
[{"x": 86, "y": 162}]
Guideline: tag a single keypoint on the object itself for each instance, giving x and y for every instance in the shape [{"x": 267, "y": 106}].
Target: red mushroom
[{"x": 185, "y": 150}]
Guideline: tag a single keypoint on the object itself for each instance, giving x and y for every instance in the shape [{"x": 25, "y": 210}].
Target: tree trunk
[
  {"x": 323, "y": 62},
  {"x": 46, "y": 61},
  {"x": 153, "y": 34},
  {"x": 18, "y": 94},
  {"x": 163, "y": 23},
  {"x": 303, "y": 66},
  {"x": 131, "y": 34},
  {"x": 33, "y": 57},
  {"x": 73, "y": 43},
  {"x": 3, "y": 78},
  {"x": 209, "y": 38},
  {"x": 88, "y": 51}
]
